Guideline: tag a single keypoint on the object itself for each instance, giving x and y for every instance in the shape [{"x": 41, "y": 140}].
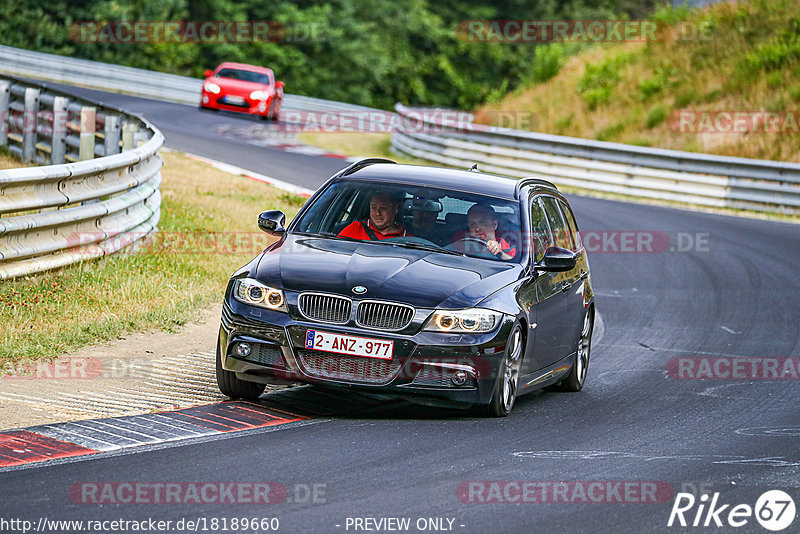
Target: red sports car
[{"x": 244, "y": 88}]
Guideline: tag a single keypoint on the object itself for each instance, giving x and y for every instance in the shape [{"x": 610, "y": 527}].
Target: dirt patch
[{"x": 137, "y": 373}]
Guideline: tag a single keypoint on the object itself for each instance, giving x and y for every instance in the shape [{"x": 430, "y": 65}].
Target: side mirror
[
  {"x": 557, "y": 259},
  {"x": 280, "y": 85},
  {"x": 272, "y": 222},
  {"x": 207, "y": 73}
]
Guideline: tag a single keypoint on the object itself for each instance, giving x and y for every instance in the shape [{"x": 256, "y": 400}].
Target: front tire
[
  {"x": 233, "y": 387},
  {"x": 505, "y": 390}
]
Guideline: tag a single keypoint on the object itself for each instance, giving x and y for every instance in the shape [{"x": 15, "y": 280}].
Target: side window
[
  {"x": 541, "y": 238},
  {"x": 572, "y": 225},
  {"x": 557, "y": 226}
]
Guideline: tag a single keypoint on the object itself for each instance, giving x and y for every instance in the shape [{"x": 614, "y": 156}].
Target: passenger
[
  {"x": 482, "y": 224},
  {"x": 382, "y": 222},
  {"x": 424, "y": 212}
]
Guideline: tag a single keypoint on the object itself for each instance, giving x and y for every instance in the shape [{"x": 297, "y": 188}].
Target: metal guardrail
[
  {"x": 105, "y": 197},
  {"x": 129, "y": 80},
  {"x": 701, "y": 179}
]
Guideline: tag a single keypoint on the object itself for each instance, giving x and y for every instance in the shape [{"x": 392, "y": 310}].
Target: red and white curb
[{"x": 81, "y": 438}]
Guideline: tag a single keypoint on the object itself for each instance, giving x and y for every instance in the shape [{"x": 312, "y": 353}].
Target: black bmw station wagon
[{"x": 445, "y": 286}]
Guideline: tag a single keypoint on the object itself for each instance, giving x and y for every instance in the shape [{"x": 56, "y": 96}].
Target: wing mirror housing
[
  {"x": 280, "y": 84},
  {"x": 272, "y": 222},
  {"x": 557, "y": 259},
  {"x": 207, "y": 73}
]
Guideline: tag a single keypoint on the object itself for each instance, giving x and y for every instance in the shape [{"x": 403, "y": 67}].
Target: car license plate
[
  {"x": 235, "y": 100},
  {"x": 352, "y": 345}
]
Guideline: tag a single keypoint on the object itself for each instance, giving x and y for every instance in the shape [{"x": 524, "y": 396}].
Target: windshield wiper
[{"x": 432, "y": 248}]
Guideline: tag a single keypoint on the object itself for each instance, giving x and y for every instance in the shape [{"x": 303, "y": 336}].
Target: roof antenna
[{"x": 474, "y": 168}]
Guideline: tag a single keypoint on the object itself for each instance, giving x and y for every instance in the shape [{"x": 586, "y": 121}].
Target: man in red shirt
[
  {"x": 382, "y": 223},
  {"x": 482, "y": 223}
]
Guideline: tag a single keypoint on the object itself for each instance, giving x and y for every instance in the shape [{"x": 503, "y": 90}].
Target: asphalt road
[{"x": 733, "y": 293}]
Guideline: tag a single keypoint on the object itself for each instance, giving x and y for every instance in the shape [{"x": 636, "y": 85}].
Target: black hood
[{"x": 417, "y": 277}]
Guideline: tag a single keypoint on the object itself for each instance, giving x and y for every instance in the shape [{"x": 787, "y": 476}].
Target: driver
[
  {"x": 482, "y": 224},
  {"x": 382, "y": 224}
]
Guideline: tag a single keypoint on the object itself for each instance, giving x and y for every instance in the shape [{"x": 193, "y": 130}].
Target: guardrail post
[
  {"x": 88, "y": 122},
  {"x": 128, "y": 129},
  {"x": 58, "y": 143},
  {"x": 111, "y": 134},
  {"x": 5, "y": 91},
  {"x": 30, "y": 124}
]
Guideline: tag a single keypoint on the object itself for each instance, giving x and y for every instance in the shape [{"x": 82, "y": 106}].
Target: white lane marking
[
  {"x": 64, "y": 431},
  {"x": 770, "y": 431},
  {"x": 239, "y": 171},
  {"x": 772, "y": 461},
  {"x": 711, "y": 391},
  {"x": 729, "y": 330}
]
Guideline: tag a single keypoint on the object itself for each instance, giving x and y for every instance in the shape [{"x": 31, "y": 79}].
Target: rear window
[
  {"x": 572, "y": 226},
  {"x": 556, "y": 222}
]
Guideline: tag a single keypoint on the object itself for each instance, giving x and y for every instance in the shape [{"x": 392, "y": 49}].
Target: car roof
[
  {"x": 477, "y": 182},
  {"x": 243, "y": 66}
]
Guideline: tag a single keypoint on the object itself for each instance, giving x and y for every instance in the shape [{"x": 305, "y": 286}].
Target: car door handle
[
  {"x": 584, "y": 274},
  {"x": 565, "y": 286}
]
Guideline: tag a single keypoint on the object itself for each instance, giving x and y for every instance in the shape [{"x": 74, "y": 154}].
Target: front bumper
[
  {"x": 249, "y": 105},
  {"x": 423, "y": 364}
]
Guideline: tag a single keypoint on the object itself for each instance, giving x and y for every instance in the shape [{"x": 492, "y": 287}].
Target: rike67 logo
[{"x": 774, "y": 510}]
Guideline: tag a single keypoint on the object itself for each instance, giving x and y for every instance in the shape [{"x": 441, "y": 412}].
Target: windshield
[
  {"x": 243, "y": 75},
  {"x": 417, "y": 217}
]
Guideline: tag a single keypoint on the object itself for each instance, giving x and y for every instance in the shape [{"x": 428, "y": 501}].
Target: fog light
[
  {"x": 242, "y": 349},
  {"x": 459, "y": 378}
]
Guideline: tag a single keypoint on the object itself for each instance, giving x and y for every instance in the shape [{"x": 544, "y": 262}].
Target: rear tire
[
  {"x": 576, "y": 378},
  {"x": 505, "y": 390},
  {"x": 233, "y": 387}
]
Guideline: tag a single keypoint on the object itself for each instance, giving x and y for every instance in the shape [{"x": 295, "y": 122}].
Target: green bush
[
  {"x": 657, "y": 115},
  {"x": 685, "y": 97},
  {"x": 548, "y": 61},
  {"x": 655, "y": 84},
  {"x": 610, "y": 132},
  {"x": 777, "y": 52},
  {"x": 598, "y": 79}
]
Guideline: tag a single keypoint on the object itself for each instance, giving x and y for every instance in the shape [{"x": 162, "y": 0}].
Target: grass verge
[{"x": 207, "y": 230}]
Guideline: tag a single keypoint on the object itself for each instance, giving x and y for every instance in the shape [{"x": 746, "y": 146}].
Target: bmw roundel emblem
[{"x": 359, "y": 290}]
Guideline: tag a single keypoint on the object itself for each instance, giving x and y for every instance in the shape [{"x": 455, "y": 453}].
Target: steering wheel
[{"x": 462, "y": 245}]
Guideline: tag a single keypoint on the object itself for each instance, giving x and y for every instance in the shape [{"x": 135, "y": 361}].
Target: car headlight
[
  {"x": 211, "y": 87},
  {"x": 472, "y": 321},
  {"x": 255, "y": 293},
  {"x": 259, "y": 95}
]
